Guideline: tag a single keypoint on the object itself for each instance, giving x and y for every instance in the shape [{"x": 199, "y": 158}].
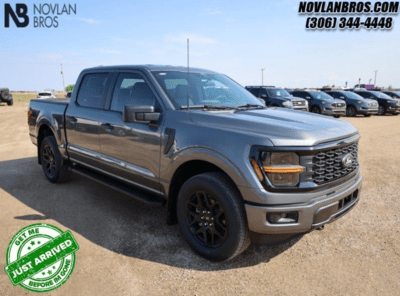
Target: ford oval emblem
[{"x": 347, "y": 160}]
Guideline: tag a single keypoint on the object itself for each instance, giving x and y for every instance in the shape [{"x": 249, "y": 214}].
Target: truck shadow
[{"x": 112, "y": 220}]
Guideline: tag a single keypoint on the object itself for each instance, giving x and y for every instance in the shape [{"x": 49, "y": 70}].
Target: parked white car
[{"x": 43, "y": 95}]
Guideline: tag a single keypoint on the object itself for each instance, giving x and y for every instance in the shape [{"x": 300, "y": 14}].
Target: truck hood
[{"x": 282, "y": 126}]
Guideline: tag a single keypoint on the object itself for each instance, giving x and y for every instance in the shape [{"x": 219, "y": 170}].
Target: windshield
[
  {"x": 203, "y": 89},
  {"x": 397, "y": 93},
  {"x": 278, "y": 92},
  {"x": 320, "y": 95},
  {"x": 354, "y": 96},
  {"x": 381, "y": 95}
]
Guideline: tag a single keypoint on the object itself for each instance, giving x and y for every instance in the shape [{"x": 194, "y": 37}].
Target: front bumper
[
  {"x": 393, "y": 109},
  {"x": 301, "y": 108},
  {"x": 312, "y": 214},
  {"x": 367, "y": 110},
  {"x": 333, "y": 111}
]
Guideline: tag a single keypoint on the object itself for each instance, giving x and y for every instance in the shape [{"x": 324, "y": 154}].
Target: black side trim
[{"x": 170, "y": 132}]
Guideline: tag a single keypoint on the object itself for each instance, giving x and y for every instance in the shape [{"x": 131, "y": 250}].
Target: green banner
[{"x": 32, "y": 263}]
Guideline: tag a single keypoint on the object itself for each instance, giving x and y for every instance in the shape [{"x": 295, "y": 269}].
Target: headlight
[
  {"x": 323, "y": 102},
  {"x": 281, "y": 168},
  {"x": 306, "y": 103},
  {"x": 358, "y": 102},
  {"x": 287, "y": 104}
]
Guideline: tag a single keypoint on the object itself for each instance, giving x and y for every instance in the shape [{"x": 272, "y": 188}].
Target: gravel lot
[{"x": 127, "y": 248}]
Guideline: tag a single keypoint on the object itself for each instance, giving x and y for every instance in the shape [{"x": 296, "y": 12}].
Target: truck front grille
[
  {"x": 328, "y": 165},
  {"x": 299, "y": 103},
  {"x": 338, "y": 105}
]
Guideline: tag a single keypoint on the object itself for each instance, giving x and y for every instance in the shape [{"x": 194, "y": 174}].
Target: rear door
[
  {"x": 132, "y": 149},
  {"x": 82, "y": 118}
]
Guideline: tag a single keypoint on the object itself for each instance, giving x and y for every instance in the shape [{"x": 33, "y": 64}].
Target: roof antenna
[{"x": 187, "y": 96}]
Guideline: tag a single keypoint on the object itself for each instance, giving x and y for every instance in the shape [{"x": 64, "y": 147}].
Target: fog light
[{"x": 282, "y": 218}]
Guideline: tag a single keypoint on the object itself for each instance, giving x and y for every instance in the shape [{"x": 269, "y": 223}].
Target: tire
[
  {"x": 316, "y": 109},
  {"x": 209, "y": 204},
  {"x": 4, "y": 95},
  {"x": 351, "y": 111},
  {"x": 336, "y": 116},
  {"x": 395, "y": 114},
  {"x": 54, "y": 168},
  {"x": 10, "y": 103},
  {"x": 367, "y": 115},
  {"x": 381, "y": 110}
]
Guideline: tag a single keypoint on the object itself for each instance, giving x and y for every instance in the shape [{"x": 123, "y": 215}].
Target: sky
[{"x": 236, "y": 38}]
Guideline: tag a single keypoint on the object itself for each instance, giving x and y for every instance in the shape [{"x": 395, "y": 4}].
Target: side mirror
[
  {"x": 141, "y": 114},
  {"x": 343, "y": 98},
  {"x": 264, "y": 96},
  {"x": 262, "y": 102}
]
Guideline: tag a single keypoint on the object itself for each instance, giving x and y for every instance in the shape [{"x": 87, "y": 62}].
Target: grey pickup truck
[{"x": 229, "y": 170}]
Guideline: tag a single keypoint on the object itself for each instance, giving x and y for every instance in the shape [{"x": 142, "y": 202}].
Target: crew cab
[
  {"x": 278, "y": 97},
  {"x": 229, "y": 170},
  {"x": 386, "y": 103},
  {"x": 322, "y": 103},
  {"x": 356, "y": 104}
]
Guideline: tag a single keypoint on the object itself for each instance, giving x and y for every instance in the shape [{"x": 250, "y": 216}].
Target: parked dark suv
[
  {"x": 356, "y": 104},
  {"x": 386, "y": 103},
  {"x": 322, "y": 103},
  {"x": 392, "y": 93},
  {"x": 278, "y": 97}
]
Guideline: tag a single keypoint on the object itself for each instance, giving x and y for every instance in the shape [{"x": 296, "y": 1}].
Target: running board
[{"x": 137, "y": 194}]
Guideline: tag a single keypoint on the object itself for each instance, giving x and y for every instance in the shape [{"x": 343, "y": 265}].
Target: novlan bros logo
[{"x": 44, "y": 15}]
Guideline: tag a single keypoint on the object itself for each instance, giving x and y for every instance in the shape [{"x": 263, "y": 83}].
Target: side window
[
  {"x": 299, "y": 94},
  {"x": 132, "y": 89},
  {"x": 264, "y": 92},
  {"x": 255, "y": 92},
  {"x": 364, "y": 95},
  {"x": 93, "y": 90}
]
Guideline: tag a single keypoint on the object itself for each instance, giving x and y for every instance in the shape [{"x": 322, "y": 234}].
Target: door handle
[{"x": 108, "y": 127}]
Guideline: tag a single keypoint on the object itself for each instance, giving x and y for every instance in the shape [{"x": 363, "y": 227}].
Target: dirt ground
[{"x": 127, "y": 249}]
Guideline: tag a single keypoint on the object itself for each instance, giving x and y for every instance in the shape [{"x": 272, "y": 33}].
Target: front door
[{"x": 132, "y": 150}]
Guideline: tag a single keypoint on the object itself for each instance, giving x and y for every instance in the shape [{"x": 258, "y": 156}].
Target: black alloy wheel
[
  {"x": 49, "y": 161},
  {"x": 212, "y": 217},
  {"x": 206, "y": 219},
  {"x": 316, "y": 109},
  {"x": 381, "y": 110},
  {"x": 54, "y": 167},
  {"x": 351, "y": 111}
]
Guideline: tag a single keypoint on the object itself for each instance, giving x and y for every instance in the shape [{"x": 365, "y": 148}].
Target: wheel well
[
  {"x": 44, "y": 132},
  {"x": 181, "y": 175}
]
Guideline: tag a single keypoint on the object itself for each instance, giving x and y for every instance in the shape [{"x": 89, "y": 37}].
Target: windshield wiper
[
  {"x": 209, "y": 107},
  {"x": 251, "y": 106}
]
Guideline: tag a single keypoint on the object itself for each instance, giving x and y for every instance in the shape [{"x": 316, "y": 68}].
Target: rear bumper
[
  {"x": 310, "y": 215},
  {"x": 33, "y": 139}
]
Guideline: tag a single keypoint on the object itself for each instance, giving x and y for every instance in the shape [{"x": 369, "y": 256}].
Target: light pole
[
  {"x": 375, "y": 77},
  {"x": 359, "y": 82},
  {"x": 62, "y": 73},
  {"x": 370, "y": 81},
  {"x": 262, "y": 77}
]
